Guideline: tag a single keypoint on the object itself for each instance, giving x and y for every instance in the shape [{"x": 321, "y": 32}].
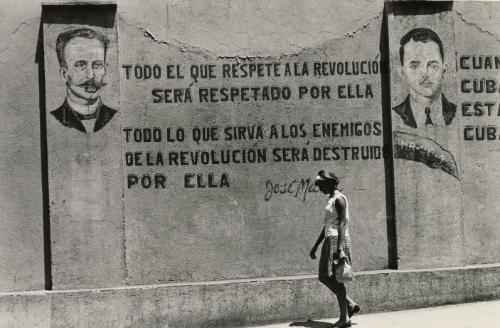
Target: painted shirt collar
[{"x": 84, "y": 109}]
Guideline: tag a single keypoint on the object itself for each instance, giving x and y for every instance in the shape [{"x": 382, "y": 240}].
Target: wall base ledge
[{"x": 245, "y": 302}]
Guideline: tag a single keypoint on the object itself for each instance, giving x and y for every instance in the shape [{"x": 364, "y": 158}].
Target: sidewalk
[{"x": 478, "y": 314}]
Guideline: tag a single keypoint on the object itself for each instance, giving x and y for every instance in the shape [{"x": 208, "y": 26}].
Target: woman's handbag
[
  {"x": 341, "y": 266},
  {"x": 343, "y": 270}
]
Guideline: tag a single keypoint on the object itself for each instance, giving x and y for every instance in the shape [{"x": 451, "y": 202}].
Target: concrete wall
[
  {"x": 185, "y": 231},
  {"x": 73, "y": 187},
  {"x": 422, "y": 221},
  {"x": 85, "y": 181},
  {"x": 244, "y": 302},
  {"x": 480, "y": 181},
  {"x": 21, "y": 236},
  {"x": 444, "y": 215},
  {"x": 220, "y": 233}
]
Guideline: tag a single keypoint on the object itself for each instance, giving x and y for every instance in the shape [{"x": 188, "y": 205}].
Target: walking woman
[{"x": 336, "y": 245}]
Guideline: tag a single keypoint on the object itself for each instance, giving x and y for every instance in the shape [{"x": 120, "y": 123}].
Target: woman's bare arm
[
  {"x": 315, "y": 247},
  {"x": 340, "y": 206}
]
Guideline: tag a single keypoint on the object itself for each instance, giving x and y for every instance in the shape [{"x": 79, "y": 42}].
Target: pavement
[{"x": 468, "y": 315}]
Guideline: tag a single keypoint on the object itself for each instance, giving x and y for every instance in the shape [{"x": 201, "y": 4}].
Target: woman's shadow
[{"x": 312, "y": 324}]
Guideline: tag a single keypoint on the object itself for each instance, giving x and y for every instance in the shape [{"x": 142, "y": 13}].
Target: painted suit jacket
[
  {"x": 68, "y": 117},
  {"x": 405, "y": 111}
]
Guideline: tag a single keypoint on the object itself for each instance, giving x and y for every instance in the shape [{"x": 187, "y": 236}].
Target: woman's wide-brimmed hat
[{"x": 326, "y": 177}]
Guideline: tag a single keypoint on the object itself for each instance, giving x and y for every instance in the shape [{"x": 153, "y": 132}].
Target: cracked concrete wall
[
  {"x": 219, "y": 29},
  {"x": 197, "y": 235},
  {"x": 479, "y": 158},
  {"x": 256, "y": 28},
  {"x": 21, "y": 233},
  {"x": 459, "y": 229},
  {"x": 423, "y": 224},
  {"x": 84, "y": 169}
]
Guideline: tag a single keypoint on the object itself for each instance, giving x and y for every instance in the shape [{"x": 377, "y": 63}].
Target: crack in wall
[
  {"x": 178, "y": 44},
  {"x": 362, "y": 28},
  {"x": 461, "y": 16},
  {"x": 185, "y": 47},
  {"x": 12, "y": 40}
]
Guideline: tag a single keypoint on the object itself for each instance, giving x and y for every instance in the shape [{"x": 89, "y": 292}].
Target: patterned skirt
[{"x": 329, "y": 254}]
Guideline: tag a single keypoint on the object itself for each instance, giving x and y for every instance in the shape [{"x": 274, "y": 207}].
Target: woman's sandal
[
  {"x": 351, "y": 311},
  {"x": 345, "y": 324},
  {"x": 339, "y": 324}
]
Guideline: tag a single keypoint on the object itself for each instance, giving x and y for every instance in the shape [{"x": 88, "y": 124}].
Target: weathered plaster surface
[
  {"x": 243, "y": 302},
  {"x": 185, "y": 47},
  {"x": 195, "y": 235},
  {"x": 233, "y": 29},
  {"x": 480, "y": 158},
  {"x": 483, "y": 15},
  {"x": 21, "y": 233},
  {"x": 256, "y": 28},
  {"x": 295, "y": 24}
]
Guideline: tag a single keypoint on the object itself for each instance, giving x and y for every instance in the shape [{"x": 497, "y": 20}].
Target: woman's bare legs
[
  {"x": 342, "y": 300},
  {"x": 328, "y": 282},
  {"x": 350, "y": 302}
]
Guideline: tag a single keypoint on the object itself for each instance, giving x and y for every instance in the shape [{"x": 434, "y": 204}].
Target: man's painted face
[
  {"x": 85, "y": 69},
  {"x": 423, "y": 68}
]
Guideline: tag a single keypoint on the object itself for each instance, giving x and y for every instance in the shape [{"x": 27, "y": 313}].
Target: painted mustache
[
  {"x": 426, "y": 83},
  {"x": 92, "y": 85}
]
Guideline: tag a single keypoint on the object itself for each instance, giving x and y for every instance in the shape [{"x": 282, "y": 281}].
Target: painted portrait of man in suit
[
  {"x": 82, "y": 60},
  {"x": 423, "y": 67},
  {"x": 421, "y": 121}
]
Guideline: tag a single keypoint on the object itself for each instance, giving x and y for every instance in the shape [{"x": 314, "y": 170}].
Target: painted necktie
[
  {"x": 428, "y": 116},
  {"x": 91, "y": 116}
]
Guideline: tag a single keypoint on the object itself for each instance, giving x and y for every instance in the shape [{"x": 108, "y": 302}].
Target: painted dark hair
[
  {"x": 87, "y": 33},
  {"x": 420, "y": 34}
]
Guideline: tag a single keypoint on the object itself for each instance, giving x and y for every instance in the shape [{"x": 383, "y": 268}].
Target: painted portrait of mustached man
[{"x": 81, "y": 53}]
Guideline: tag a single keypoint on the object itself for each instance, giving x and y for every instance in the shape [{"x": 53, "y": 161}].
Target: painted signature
[{"x": 298, "y": 188}]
